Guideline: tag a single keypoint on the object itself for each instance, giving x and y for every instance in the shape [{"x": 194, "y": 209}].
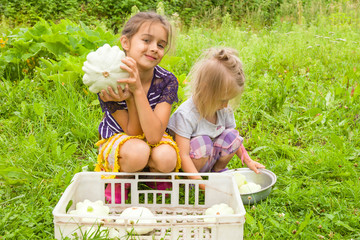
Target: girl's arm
[
  {"x": 153, "y": 123},
  {"x": 127, "y": 119},
  {"x": 251, "y": 164},
  {"x": 187, "y": 165}
]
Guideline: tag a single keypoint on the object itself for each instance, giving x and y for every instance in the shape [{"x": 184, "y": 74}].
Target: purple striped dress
[{"x": 163, "y": 88}]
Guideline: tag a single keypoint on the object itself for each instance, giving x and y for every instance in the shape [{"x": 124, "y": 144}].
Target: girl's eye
[
  {"x": 161, "y": 46},
  {"x": 146, "y": 40}
]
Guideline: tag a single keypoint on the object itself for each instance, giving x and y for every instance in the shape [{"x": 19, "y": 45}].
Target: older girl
[{"x": 133, "y": 129}]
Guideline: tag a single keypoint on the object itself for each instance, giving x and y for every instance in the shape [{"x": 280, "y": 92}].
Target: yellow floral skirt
[{"x": 109, "y": 149}]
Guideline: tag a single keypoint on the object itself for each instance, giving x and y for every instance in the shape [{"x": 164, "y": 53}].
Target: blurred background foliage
[{"x": 113, "y": 13}]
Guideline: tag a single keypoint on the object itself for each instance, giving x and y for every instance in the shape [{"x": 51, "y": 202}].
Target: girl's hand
[
  {"x": 123, "y": 94},
  {"x": 253, "y": 165},
  {"x": 245, "y": 158},
  {"x": 133, "y": 81}
]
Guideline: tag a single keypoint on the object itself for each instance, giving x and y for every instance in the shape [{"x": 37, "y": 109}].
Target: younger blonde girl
[{"x": 204, "y": 125}]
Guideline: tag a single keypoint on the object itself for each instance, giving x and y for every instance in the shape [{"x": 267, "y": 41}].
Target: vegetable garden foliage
[
  {"x": 299, "y": 115},
  {"x": 60, "y": 47},
  {"x": 113, "y": 13}
]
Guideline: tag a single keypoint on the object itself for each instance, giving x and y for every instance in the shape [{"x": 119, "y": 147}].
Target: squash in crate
[
  {"x": 138, "y": 215},
  {"x": 91, "y": 209}
]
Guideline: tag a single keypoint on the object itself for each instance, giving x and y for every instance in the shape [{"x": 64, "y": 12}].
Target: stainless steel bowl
[{"x": 266, "y": 179}]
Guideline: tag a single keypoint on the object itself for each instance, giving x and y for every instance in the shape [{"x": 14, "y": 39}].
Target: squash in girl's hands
[{"x": 102, "y": 69}]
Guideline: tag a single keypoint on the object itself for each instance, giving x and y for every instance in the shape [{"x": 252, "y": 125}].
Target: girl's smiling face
[{"x": 147, "y": 46}]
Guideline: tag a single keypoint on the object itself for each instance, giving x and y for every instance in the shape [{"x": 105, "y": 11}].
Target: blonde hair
[
  {"x": 133, "y": 25},
  {"x": 217, "y": 76}
]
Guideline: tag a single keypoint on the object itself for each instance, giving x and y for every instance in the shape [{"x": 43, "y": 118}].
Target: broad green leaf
[
  {"x": 68, "y": 77},
  {"x": 12, "y": 175},
  {"x": 273, "y": 222},
  {"x": 39, "y": 109},
  {"x": 304, "y": 223},
  {"x": 25, "y": 56},
  {"x": 330, "y": 216},
  {"x": 69, "y": 149},
  {"x": 336, "y": 140},
  {"x": 312, "y": 112},
  {"x": 345, "y": 225},
  {"x": 57, "y": 48},
  {"x": 259, "y": 148},
  {"x": 268, "y": 117},
  {"x": 261, "y": 227},
  {"x": 250, "y": 220},
  {"x": 40, "y": 29}
]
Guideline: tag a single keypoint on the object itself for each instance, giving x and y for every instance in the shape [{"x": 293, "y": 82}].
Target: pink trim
[{"x": 244, "y": 154}]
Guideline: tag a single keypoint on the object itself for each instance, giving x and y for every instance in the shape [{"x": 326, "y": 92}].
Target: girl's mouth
[{"x": 150, "y": 57}]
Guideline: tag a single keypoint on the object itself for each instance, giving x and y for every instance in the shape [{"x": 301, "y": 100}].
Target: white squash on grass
[
  {"x": 91, "y": 209},
  {"x": 217, "y": 209},
  {"x": 244, "y": 186},
  {"x": 102, "y": 69},
  {"x": 136, "y": 216}
]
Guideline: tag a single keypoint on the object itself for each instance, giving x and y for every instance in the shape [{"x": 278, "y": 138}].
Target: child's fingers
[
  {"x": 130, "y": 65},
  {"x": 126, "y": 68},
  {"x": 259, "y": 165},
  {"x": 128, "y": 61},
  {"x": 254, "y": 169},
  {"x": 126, "y": 80},
  {"x": 111, "y": 92},
  {"x": 104, "y": 95},
  {"x": 120, "y": 89},
  {"x": 124, "y": 93},
  {"x": 255, "y": 166}
]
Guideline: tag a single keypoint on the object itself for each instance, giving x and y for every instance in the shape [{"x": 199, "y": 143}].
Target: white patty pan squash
[
  {"x": 91, "y": 209},
  {"x": 240, "y": 179},
  {"x": 217, "y": 209},
  {"x": 102, "y": 69},
  {"x": 138, "y": 215},
  {"x": 249, "y": 187},
  {"x": 244, "y": 186}
]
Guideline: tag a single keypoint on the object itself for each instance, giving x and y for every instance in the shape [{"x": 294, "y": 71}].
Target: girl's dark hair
[{"x": 133, "y": 25}]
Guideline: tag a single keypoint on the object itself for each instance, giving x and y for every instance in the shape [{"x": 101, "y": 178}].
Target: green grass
[{"x": 299, "y": 115}]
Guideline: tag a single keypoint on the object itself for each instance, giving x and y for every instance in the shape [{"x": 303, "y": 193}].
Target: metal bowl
[{"x": 266, "y": 179}]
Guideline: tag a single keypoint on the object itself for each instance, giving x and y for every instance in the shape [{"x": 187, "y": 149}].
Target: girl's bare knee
[
  {"x": 163, "y": 158},
  {"x": 134, "y": 155},
  {"x": 199, "y": 163}
]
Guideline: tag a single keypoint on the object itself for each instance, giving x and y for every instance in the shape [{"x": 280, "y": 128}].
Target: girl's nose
[{"x": 153, "y": 47}]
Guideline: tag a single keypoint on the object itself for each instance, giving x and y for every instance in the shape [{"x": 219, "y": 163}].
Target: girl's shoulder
[
  {"x": 162, "y": 73},
  {"x": 188, "y": 109}
]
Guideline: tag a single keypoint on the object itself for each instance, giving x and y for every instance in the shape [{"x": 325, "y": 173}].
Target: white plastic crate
[{"x": 179, "y": 211}]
